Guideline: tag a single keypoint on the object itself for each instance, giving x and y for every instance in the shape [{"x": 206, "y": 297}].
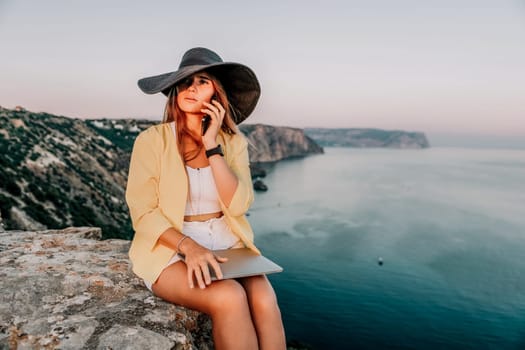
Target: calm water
[{"x": 449, "y": 225}]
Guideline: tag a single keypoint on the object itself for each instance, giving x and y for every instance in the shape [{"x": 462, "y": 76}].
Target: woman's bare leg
[
  {"x": 225, "y": 301},
  {"x": 265, "y": 312}
]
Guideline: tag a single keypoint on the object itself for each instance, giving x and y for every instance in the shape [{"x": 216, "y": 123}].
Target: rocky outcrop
[
  {"x": 364, "y": 138},
  {"x": 67, "y": 289},
  {"x": 57, "y": 172},
  {"x": 270, "y": 143}
]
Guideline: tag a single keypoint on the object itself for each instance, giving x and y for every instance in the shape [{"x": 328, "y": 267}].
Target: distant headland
[{"x": 365, "y": 138}]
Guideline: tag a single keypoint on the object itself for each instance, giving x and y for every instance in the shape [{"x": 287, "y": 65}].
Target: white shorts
[{"x": 212, "y": 234}]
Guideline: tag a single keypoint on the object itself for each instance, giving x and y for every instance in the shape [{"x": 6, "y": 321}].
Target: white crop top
[
  {"x": 203, "y": 197},
  {"x": 203, "y": 193}
]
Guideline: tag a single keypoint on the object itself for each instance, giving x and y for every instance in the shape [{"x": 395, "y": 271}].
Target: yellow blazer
[{"x": 157, "y": 190}]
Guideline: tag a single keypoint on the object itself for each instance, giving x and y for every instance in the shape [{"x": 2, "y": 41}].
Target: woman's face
[{"x": 193, "y": 90}]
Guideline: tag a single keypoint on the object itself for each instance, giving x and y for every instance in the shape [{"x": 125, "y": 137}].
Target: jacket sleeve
[
  {"x": 240, "y": 165},
  {"x": 142, "y": 191}
]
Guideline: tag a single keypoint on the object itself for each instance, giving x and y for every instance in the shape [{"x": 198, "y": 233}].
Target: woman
[{"x": 188, "y": 190}]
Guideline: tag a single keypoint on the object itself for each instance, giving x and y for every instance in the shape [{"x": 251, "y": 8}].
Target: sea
[{"x": 398, "y": 249}]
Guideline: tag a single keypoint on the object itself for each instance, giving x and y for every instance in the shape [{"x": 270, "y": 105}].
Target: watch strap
[{"x": 216, "y": 150}]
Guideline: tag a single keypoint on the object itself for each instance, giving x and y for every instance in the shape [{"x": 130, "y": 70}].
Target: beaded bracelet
[{"x": 180, "y": 242}]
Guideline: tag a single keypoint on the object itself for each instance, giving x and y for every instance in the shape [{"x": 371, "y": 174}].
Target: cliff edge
[
  {"x": 270, "y": 143},
  {"x": 68, "y": 289}
]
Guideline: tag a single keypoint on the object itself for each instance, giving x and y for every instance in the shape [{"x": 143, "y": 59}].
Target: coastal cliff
[
  {"x": 270, "y": 143},
  {"x": 67, "y": 289},
  {"x": 59, "y": 172},
  {"x": 366, "y": 138}
]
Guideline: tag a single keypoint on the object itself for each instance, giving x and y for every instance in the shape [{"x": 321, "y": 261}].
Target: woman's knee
[
  {"x": 262, "y": 296},
  {"x": 228, "y": 296},
  {"x": 264, "y": 303}
]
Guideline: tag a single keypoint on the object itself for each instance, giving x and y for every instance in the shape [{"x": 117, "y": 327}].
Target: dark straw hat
[{"x": 239, "y": 81}]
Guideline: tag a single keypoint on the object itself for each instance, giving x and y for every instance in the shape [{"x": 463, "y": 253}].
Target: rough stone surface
[{"x": 66, "y": 289}]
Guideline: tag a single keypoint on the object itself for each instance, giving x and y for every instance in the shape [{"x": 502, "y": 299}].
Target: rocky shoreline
[{"x": 270, "y": 144}]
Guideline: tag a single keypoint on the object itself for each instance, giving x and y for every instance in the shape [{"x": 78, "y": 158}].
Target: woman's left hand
[{"x": 216, "y": 111}]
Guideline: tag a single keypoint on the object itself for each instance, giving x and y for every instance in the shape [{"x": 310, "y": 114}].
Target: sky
[{"x": 437, "y": 66}]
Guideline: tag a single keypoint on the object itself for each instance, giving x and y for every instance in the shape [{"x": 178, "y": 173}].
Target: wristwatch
[{"x": 216, "y": 150}]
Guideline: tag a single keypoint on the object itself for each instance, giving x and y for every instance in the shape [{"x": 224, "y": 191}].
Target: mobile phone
[{"x": 205, "y": 123}]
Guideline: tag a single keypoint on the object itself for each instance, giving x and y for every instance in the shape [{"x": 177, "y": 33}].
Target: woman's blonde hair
[{"x": 173, "y": 113}]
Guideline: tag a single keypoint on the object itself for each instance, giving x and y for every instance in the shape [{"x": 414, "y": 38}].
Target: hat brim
[{"x": 239, "y": 82}]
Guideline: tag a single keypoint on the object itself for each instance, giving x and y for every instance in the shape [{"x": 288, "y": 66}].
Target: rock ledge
[{"x": 68, "y": 289}]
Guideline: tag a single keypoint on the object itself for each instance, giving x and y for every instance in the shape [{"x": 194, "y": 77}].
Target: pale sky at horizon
[{"x": 431, "y": 66}]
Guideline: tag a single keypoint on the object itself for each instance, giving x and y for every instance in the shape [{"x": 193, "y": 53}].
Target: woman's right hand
[{"x": 197, "y": 259}]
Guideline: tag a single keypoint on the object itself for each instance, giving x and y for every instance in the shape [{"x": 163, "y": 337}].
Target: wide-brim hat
[{"x": 239, "y": 81}]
